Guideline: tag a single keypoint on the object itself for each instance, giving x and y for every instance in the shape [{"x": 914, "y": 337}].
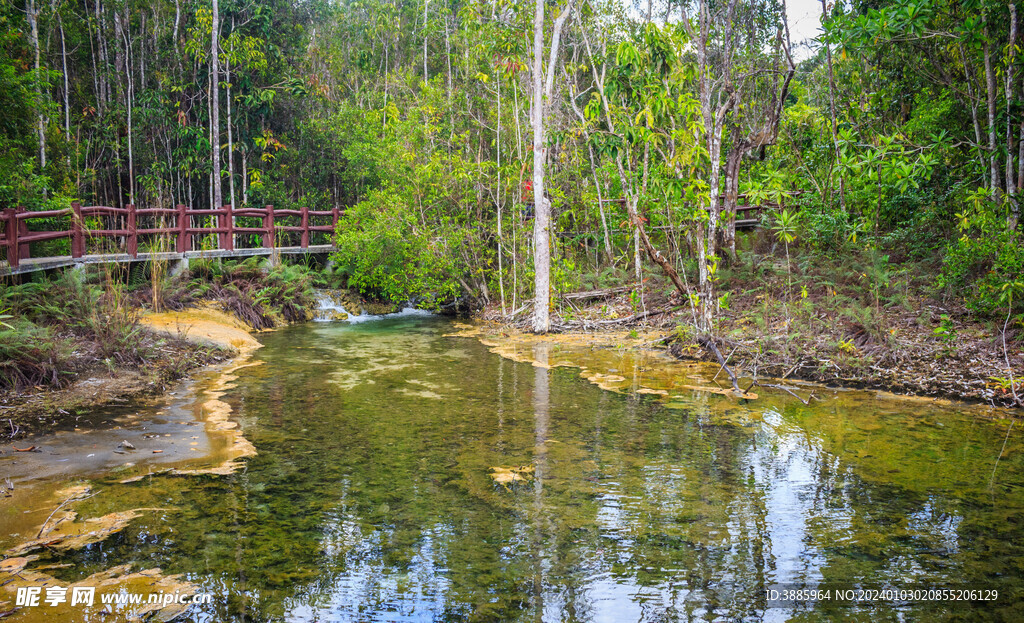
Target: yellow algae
[
  {"x": 510, "y": 475},
  {"x": 73, "y": 492},
  {"x": 204, "y": 325},
  {"x": 111, "y": 581},
  {"x": 215, "y": 413},
  {"x": 62, "y": 532},
  {"x": 657, "y": 392},
  {"x": 15, "y": 565}
]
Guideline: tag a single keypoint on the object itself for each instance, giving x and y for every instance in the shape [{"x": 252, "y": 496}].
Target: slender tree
[{"x": 543, "y": 87}]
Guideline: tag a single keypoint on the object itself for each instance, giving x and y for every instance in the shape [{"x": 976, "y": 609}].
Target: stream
[{"x": 403, "y": 473}]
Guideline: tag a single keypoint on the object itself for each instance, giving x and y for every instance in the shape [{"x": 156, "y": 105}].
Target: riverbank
[
  {"x": 41, "y": 408},
  {"x": 77, "y": 341},
  {"x": 922, "y": 348},
  {"x": 50, "y": 508}
]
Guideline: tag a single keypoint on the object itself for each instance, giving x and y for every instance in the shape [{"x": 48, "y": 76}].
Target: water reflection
[{"x": 371, "y": 499}]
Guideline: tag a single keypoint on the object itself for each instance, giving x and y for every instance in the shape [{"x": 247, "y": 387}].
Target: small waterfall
[
  {"x": 333, "y": 305},
  {"x": 329, "y": 309}
]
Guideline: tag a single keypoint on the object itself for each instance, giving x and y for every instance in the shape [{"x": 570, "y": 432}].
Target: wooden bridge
[{"x": 101, "y": 234}]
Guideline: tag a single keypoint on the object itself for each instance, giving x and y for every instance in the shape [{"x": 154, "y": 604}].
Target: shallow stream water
[{"x": 373, "y": 496}]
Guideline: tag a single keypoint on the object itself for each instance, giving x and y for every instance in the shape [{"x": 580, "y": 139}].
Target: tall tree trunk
[
  {"x": 231, "y": 143},
  {"x": 426, "y": 76},
  {"x": 600, "y": 207},
  {"x": 542, "y": 210},
  {"x": 32, "y": 10},
  {"x": 67, "y": 87},
  {"x": 101, "y": 90},
  {"x": 1011, "y": 188},
  {"x": 732, "y": 182},
  {"x": 543, "y": 87},
  {"x": 217, "y": 197},
  {"x": 128, "y": 74},
  {"x": 969, "y": 81},
  {"x": 990, "y": 92},
  {"x": 825, "y": 9},
  {"x": 497, "y": 201}
]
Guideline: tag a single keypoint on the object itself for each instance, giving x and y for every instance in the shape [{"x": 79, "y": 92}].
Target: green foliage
[
  {"x": 986, "y": 257},
  {"x": 945, "y": 331},
  {"x": 387, "y": 252},
  {"x": 785, "y": 227},
  {"x": 64, "y": 320}
]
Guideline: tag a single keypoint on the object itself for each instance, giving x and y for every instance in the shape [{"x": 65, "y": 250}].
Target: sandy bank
[{"x": 206, "y": 326}]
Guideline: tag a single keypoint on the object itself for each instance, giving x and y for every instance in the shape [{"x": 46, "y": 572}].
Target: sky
[{"x": 804, "y": 24}]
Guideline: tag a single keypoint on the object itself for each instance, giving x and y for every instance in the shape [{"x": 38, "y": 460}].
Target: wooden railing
[{"x": 121, "y": 225}]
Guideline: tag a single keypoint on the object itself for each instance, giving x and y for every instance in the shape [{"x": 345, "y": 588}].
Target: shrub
[
  {"x": 32, "y": 355},
  {"x": 977, "y": 267}
]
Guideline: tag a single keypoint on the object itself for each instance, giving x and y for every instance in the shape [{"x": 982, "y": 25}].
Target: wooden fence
[{"x": 121, "y": 225}]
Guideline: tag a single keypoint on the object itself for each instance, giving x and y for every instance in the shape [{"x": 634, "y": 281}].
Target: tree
[
  {"x": 215, "y": 188},
  {"x": 543, "y": 87}
]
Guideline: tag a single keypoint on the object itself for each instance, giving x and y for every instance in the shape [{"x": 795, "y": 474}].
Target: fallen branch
[
  {"x": 640, "y": 316},
  {"x": 708, "y": 343},
  {"x": 726, "y": 360},
  {"x": 516, "y": 312},
  {"x": 70, "y": 499},
  {"x": 596, "y": 294},
  {"x": 785, "y": 389}
]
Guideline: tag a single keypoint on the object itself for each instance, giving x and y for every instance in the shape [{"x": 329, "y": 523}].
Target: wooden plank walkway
[
  {"x": 47, "y": 263},
  {"x": 115, "y": 234}
]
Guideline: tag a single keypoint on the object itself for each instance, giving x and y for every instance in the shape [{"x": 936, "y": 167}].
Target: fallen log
[{"x": 597, "y": 294}]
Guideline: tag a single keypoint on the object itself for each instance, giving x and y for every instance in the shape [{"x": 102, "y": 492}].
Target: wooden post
[
  {"x": 77, "y": 235},
  {"x": 11, "y": 216},
  {"x": 335, "y": 215},
  {"x": 24, "y": 251},
  {"x": 184, "y": 238},
  {"x": 229, "y": 222},
  {"x": 133, "y": 232},
  {"x": 221, "y": 237},
  {"x": 268, "y": 225},
  {"x": 305, "y": 227}
]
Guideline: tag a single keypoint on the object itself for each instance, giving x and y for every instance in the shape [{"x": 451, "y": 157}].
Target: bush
[
  {"x": 977, "y": 267},
  {"x": 99, "y": 317},
  {"x": 32, "y": 355},
  {"x": 385, "y": 253}
]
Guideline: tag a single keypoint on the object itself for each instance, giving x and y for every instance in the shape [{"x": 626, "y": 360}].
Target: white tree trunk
[
  {"x": 543, "y": 90},
  {"x": 426, "y": 76},
  {"x": 231, "y": 142},
  {"x": 542, "y": 210},
  {"x": 990, "y": 92},
  {"x": 217, "y": 198},
  {"x": 67, "y": 87},
  {"x": 1011, "y": 187},
  {"x": 32, "y": 11},
  {"x": 131, "y": 99}
]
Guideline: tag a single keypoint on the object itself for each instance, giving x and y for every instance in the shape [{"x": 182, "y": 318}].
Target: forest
[{"x": 508, "y": 153}]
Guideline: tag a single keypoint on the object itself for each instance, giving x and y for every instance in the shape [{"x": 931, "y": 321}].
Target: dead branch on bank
[
  {"x": 788, "y": 390},
  {"x": 588, "y": 324},
  {"x": 597, "y": 294},
  {"x": 708, "y": 343}
]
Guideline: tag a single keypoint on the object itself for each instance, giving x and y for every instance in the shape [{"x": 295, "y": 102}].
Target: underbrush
[
  {"x": 258, "y": 297},
  {"x": 63, "y": 325}
]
